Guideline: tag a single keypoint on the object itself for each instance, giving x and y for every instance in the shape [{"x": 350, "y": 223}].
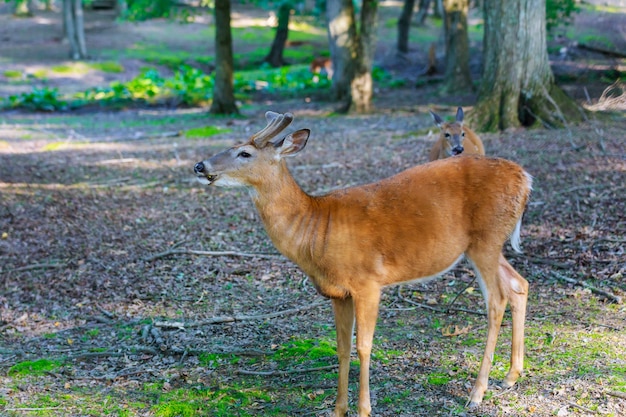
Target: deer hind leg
[
  {"x": 486, "y": 265},
  {"x": 517, "y": 288},
  {"x": 344, "y": 322}
]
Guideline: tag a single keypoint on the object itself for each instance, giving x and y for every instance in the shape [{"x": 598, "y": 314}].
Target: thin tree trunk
[
  {"x": 457, "y": 78},
  {"x": 404, "y": 26},
  {"x": 342, "y": 41},
  {"x": 223, "y": 89},
  {"x": 74, "y": 28},
  {"x": 422, "y": 11},
  {"x": 80, "y": 28},
  {"x": 518, "y": 86},
  {"x": 362, "y": 86},
  {"x": 275, "y": 56}
]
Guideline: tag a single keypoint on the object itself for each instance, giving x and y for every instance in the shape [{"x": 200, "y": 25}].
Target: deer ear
[
  {"x": 293, "y": 142},
  {"x": 459, "y": 115},
  {"x": 438, "y": 120}
]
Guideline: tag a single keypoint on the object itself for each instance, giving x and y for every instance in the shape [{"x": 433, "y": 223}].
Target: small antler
[{"x": 276, "y": 123}]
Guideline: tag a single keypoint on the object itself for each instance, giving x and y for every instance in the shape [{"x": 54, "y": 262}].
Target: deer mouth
[{"x": 207, "y": 179}]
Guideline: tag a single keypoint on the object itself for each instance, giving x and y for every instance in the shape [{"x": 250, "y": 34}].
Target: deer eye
[
  {"x": 447, "y": 135},
  {"x": 243, "y": 154},
  {"x": 462, "y": 134}
]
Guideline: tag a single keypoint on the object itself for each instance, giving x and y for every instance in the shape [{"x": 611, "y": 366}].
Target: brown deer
[
  {"x": 322, "y": 67},
  {"x": 412, "y": 226},
  {"x": 455, "y": 138}
]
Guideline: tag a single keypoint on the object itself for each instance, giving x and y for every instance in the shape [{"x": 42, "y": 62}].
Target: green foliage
[
  {"x": 40, "y": 99},
  {"x": 559, "y": 12},
  {"x": 188, "y": 86},
  {"x": 38, "y": 367},
  {"x": 139, "y": 10}
]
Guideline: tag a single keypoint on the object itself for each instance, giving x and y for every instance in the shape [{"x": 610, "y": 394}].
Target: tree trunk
[
  {"x": 422, "y": 11},
  {"x": 362, "y": 85},
  {"x": 74, "y": 28},
  {"x": 275, "y": 56},
  {"x": 457, "y": 78},
  {"x": 342, "y": 41},
  {"x": 404, "y": 25},
  {"x": 223, "y": 94},
  {"x": 518, "y": 86}
]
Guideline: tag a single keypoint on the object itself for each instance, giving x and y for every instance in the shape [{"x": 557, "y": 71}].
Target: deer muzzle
[
  {"x": 457, "y": 150},
  {"x": 202, "y": 174}
]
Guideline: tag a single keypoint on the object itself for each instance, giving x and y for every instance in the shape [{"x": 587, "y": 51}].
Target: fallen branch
[
  {"x": 616, "y": 298},
  {"x": 231, "y": 319},
  {"x": 287, "y": 372},
  {"x": 35, "y": 266},
  {"x": 605, "y": 51},
  {"x": 209, "y": 253}
]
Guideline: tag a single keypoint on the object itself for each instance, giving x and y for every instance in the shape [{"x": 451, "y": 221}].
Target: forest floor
[{"x": 129, "y": 289}]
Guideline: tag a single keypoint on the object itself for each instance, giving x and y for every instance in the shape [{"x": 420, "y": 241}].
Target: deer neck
[{"x": 290, "y": 216}]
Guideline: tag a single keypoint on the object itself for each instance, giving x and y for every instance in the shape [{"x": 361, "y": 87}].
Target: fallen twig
[
  {"x": 617, "y": 394},
  {"x": 35, "y": 266},
  {"x": 585, "y": 409},
  {"x": 231, "y": 319},
  {"x": 446, "y": 310},
  {"x": 34, "y": 408},
  {"x": 209, "y": 253},
  {"x": 287, "y": 372},
  {"x": 616, "y": 298}
]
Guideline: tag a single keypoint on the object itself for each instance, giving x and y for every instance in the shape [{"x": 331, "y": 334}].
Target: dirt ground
[{"x": 150, "y": 287}]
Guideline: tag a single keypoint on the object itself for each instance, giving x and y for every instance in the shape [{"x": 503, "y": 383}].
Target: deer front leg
[
  {"x": 344, "y": 323},
  {"x": 517, "y": 290},
  {"x": 366, "y": 308}
]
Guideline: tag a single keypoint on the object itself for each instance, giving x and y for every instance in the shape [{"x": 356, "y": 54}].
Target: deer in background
[
  {"x": 412, "y": 226},
  {"x": 322, "y": 67},
  {"x": 455, "y": 138}
]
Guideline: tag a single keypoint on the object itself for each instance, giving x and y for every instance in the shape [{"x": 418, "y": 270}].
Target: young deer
[
  {"x": 412, "y": 226},
  {"x": 455, "y": 138}
]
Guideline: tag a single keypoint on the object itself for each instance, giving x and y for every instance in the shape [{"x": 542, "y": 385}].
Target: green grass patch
[
  {"x": 205, "y": 131},
  {"x": 108, "y": 66},
  {"x": 237, "y": 400},
  {"x": 13, "y": 74},
  {"x": 38, "y": 367},
  {"x": 306, "y": 350},
  {"x": 438, "y": 378}
]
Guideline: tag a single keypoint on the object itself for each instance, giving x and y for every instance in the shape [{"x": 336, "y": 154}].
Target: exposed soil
[{"x": 90, "y": 201}]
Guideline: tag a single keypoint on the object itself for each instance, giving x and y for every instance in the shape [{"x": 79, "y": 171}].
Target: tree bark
[
  {"x": 275, "y": 56},
  {"x": 223, "y": 89},
  {"x": 518, "y": 85},
  {"x": 404, "y": 26},
  {"x": 422, "y": 11},
  {"x": 362, "y": 85},
  {"x": 342, "y": 41},
  {"x": 457, "y": 78},
  {"x": 74, "y": 28}
]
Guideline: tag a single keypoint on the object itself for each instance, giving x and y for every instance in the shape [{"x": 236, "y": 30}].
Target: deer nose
[
  {"x": 198, "y": 168},
  {"x": 457, "y": 150}
]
